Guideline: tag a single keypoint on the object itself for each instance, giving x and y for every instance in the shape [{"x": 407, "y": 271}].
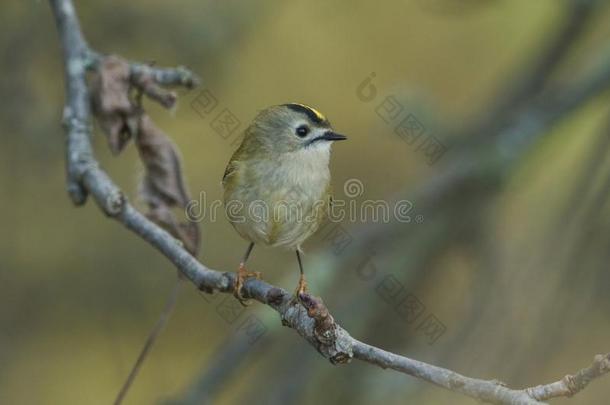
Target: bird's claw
[
  {"x": 299, "y": 291},
  {"x": 242, "y": 275}
]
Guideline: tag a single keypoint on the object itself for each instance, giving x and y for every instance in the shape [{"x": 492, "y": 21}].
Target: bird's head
[{"x": 291, "y": 128}]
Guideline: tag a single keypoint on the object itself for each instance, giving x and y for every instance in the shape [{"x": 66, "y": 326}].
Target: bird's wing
[
  {"x": 231, "y": 167},
  {"x": 234, "y": 162}
]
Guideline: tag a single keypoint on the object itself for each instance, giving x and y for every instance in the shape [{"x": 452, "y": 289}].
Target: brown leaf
[
  {"x": 187, "y": 233},
  {"x": 113, "y": 108},
  {"x": 122, "y": 118},
  {"x": 163, "y": 186},
  {"x": 162, "y": 162}
]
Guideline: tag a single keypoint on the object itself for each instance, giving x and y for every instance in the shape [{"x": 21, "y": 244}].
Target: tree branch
[
  {"x": 572, "y": 384},
  {"x": 311, "y": 320}
]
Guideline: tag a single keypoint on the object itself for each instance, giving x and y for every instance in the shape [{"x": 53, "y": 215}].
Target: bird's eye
[{"x": 302, "y": 131}]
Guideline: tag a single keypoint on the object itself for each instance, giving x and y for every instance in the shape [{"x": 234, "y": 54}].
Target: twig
[
  {"x": 312, "y": 321},
  {"x": 150, "y": 340},
  {"x": 572, "y": 384}
]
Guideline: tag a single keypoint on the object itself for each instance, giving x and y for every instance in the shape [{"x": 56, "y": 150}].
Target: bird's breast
[{"x": 284, "y": 199}]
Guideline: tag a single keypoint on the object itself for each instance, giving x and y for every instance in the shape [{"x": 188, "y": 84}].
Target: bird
[{"x": 277, "y": 184}]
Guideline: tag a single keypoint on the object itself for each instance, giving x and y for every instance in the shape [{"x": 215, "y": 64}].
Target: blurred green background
[{"x": 513, "y": 261}]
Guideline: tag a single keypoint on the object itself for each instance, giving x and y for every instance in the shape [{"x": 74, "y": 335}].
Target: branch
[
  {"x": 311, "y": 320},
  {"x": 482, "y": 142},
  {"x": 572, "y": 384},
  {"x": 576, "y": 16}
]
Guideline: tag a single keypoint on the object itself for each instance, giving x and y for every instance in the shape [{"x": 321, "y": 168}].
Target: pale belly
[
  {"x": 280, "y": 201},
  {"x": 285, "y": 216}
]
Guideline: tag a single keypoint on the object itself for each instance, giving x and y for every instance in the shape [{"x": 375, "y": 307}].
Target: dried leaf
[
  {"x": 122, "y": 118},
  {"x": 187, "y": 233},
  {"x": 113, "y": 108},
  {"x": 163, "y": 186},
  {"x": 162, "y": 162}
]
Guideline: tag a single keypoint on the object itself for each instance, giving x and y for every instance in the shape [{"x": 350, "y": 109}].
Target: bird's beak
[{"x": 333, "y": 136}]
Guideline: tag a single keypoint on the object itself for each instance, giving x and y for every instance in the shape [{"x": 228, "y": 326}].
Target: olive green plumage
[{"x": 277, "y": 184}]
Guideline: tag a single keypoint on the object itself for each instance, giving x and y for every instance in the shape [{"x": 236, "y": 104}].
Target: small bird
[{"x": 277, "y": 184}]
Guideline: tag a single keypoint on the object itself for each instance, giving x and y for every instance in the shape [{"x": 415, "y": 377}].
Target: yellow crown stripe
[{"x": 317, "y": 113}]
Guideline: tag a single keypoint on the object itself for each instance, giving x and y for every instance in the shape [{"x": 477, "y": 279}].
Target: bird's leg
[
  {"x": 302, "y": 286},
  {"x": 242, "y": 275}
]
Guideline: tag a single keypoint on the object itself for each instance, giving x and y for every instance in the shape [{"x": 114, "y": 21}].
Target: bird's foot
[
  {"x": 242, "y": 276},
  {"x": 299, "y": 291}
]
